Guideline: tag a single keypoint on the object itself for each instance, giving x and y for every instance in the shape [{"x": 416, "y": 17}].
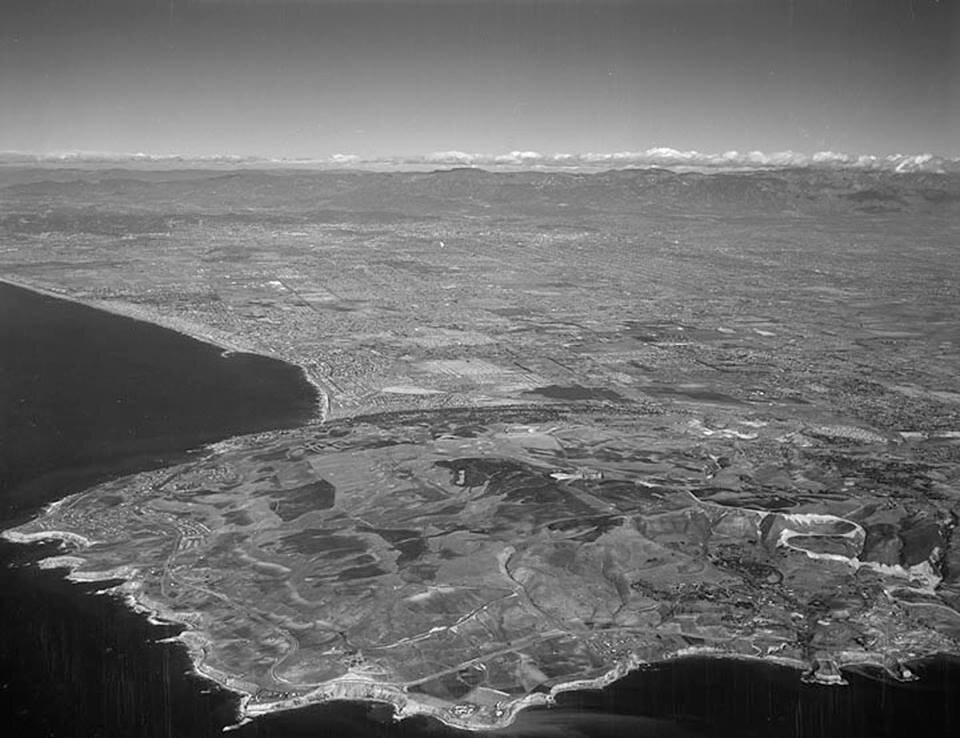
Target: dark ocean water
[{"x": 85, "y": 395}]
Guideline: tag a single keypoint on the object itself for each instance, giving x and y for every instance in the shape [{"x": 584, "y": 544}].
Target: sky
[{"x": 314, "y": 78}]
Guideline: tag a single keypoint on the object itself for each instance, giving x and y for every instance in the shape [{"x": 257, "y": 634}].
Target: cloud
[
  {"x": 680, "y": 159},
  {"x": 451, "y": 157},
  {"x": 663, "y": 157},
  {"x": 520, "y": 157},
  {"x": 110, "y": 157}
]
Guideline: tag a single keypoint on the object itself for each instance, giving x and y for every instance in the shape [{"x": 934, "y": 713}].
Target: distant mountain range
[{"x": 278, "y": 194}]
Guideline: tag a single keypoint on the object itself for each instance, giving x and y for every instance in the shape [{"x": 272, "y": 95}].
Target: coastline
[
  {"x": 352, "y": 687},
  {"x": 141, "y": 314},
  {"x": 358, "y": 687},
  {"x": 226, "y": 343}
]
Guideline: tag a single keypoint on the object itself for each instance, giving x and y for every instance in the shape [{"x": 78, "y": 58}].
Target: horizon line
[{"x": 660, "y": 156}]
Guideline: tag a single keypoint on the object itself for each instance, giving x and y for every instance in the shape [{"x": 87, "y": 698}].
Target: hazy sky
[{"x": 311, "y": 78}]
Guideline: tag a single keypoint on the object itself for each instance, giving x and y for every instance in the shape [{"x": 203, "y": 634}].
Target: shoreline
[
  {"x": 350, "y": 687},
  {"x": 196, "y": 331},
  {"x": 354, "y": 687}
]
